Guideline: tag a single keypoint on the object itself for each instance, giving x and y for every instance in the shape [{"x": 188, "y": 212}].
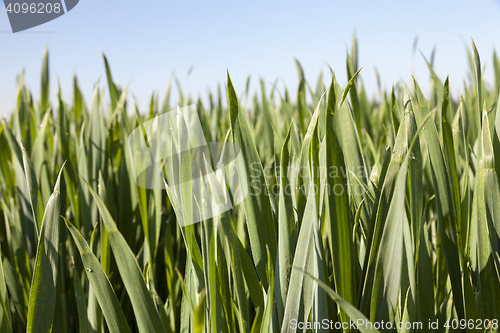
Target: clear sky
[{"x": 145, "y": 41}]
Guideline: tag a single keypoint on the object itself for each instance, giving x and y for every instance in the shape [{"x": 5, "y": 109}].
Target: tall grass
[{"x": 384, "y": 209}]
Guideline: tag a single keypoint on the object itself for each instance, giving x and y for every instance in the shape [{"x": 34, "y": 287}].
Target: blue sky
[{"x": 145, "y": 41}]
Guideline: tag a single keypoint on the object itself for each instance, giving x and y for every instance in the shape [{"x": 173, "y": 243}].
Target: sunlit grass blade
[
  {"x": 104, "y": 292},
  {"x": 42, "y": 299},
  {"x": 342, "y": 249},
  {"x": 447, "y": 217},
  {"x": 477, "y": 77},
  {"x": 260, "y": 220},
  {"x": 351, "y": 311},
  {"x": 344, "y": 126},
  {"x": 287, "y": 233},
  {"x": 406, "y": 133},
  {"x": 300, "y": 293},
  {"x": 148, "y": 319},
  {"x": 387, "y": 277},
  {"x": 45, "y": 85},
  {"x": 35, "y": 200},
  {"x": 113, "y": 92},
  {"x": 488, "y": 226}
]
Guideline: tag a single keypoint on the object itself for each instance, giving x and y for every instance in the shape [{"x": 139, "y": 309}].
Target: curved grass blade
[
  {"x": 477, "y": 68},
  {"x": 27, "y": 224},
  {"x": 113, "y": 92},
  {"x": 16, "y": 292},
  {"x": 425, "y": 283},
  {"x": 287, "y": 233},
  {"x": 349, "y": 86},
  {"x": 447, "y": 218},
  {"x": 267, "y": 320},
  {"x": 488, "y": 213},
  {"x": 347, "y": 307},
  {"x": 35, "y": 199},
  {"x": 387, "y": 279},
  {"x": 345, "y": 265},
  {"x": 406, "y": 132},
  {"x": 260, "y": 220},
  {"x": 42, "y": 299},
  {"x": 5, "y": 315},
  {"x": 300, "y": 293},
  {"x": 344, "y": 125},
  {"x": 103, "y": 290},
  {"x": 303, "y": 178},
  {"x": 45, "y": 88},
  {"x": 148, "y": 319},
  {"x": 80, "y": 302}
]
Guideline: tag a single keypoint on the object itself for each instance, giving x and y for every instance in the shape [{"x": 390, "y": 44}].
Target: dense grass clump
[{"x": 384, "y": 209}]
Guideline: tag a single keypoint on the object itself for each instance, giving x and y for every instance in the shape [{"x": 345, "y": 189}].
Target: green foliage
[{"x": 383, "y": 209}]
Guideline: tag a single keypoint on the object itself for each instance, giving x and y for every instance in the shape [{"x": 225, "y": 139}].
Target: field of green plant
[{"x": 358, "y": 208}]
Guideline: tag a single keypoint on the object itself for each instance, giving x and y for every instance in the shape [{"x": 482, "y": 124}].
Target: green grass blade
[
  {"x": 32, "y": 188},
  {"x": 348, "y": 87},
  {"x": 406, "y": 133},
  {"x": 42, "y": 299},
  {"x": 488, "y": 226},
  {"x": 389, "y": 261},
  {"x": 303, "y": 178},
  {"x": 351, "y": 311},
  {"x": 287, "y": 233},
  {"x": 17, "y": 161},
  {"x": 113, "y": 93},
  {"x": 45, "y": 85},
  {"x": 17, "y": 293},
  {"x": 477, "y": 77},
  {"x": 267, "y": 319},
  {"x": 5, "y": 315},
  {"x": 449, "y": 152},
  {"x": 260, "y": 220},
  {"x": 425, "y": 283},
  {"x": 148, "y": 319},
  {"x": 104, "y": 292},
  {"x": 299, "y": 294},
  {"x": 447, "y": 218},
  {"x": 348, "y": 136},
  {"x": 345, "y": 265},
  {"x": 80, "y": 302}
]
